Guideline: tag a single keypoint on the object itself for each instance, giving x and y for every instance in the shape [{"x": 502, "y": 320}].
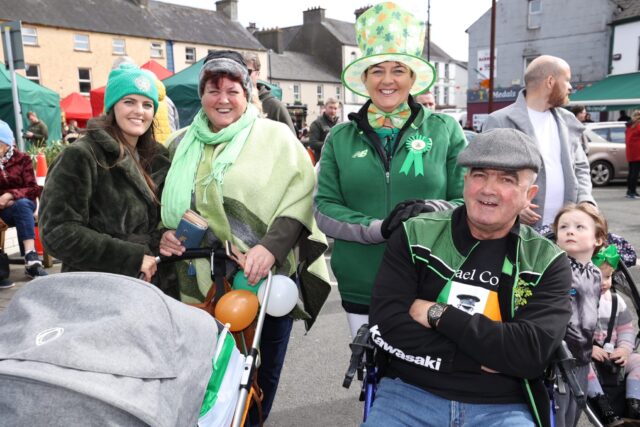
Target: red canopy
[
  {"x": 157, "y": 69},
  {"x": 96, "y": 96},
  {"x": 76, "y": 107}
]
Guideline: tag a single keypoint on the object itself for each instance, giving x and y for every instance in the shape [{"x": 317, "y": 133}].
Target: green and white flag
[{"x": 223, "y": 389}]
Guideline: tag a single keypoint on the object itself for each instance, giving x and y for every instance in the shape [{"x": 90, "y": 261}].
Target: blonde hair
[{"x": 602, "y": 229}]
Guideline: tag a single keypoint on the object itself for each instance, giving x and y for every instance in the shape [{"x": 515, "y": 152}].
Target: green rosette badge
[{"x": 417, "y": 146}]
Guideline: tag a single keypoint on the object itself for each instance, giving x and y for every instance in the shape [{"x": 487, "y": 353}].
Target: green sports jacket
[{"x": 358, "y": 186}]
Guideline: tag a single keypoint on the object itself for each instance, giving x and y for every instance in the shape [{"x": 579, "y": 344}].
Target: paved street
[{"x": 310, "y": 391}]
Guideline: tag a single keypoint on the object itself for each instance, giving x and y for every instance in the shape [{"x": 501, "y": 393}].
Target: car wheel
[{"x": 601, "y": 173}]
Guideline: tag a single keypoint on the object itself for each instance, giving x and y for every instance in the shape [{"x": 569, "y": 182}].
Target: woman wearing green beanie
[{"x": 100, "y": 208}]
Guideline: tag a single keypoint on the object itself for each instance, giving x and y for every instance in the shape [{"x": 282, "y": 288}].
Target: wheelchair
[{"x": 367, "y": 363}]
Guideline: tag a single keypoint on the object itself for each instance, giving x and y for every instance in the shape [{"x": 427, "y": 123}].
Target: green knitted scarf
[{"x": 181, "y": 179}]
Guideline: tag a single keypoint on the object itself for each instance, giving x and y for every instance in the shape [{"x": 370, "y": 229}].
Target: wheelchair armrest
[
  {"x": 566, "y": 365},
  {"x": 360, "y": 343}
]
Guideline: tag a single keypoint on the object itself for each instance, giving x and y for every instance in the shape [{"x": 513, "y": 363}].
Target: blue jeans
[
  {"x": 20, "y": 215},
  {"x": 273, "y": 348},
  {"x": 398, "y": 404}
]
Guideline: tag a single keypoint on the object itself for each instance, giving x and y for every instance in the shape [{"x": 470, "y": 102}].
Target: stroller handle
[{"x": 193, "y": 253}]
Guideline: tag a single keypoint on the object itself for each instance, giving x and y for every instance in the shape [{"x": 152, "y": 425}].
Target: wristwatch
[{"x": 434, "y": 313}]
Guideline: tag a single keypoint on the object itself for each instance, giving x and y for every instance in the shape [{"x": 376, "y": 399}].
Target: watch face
[{"x": 434, "y": 313}]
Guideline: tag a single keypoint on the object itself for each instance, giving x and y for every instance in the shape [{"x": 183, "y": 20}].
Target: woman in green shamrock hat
[{"x": 393, "y": 152}]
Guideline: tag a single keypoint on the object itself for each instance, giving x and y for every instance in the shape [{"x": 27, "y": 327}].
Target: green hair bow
[{"x": 609, "y": 255}]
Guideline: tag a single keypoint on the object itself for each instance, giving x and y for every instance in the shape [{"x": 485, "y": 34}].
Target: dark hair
[
  {"x": 600, "y": 221},
  {"x": 215, "y": 76},
  {"x": 577, "y": 109},
  {"x": 411, "y": 73},
  {"x": 146, "y": 147}
]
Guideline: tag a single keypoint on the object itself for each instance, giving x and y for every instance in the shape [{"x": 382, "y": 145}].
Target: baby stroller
[
  {"x": 102, "y": 349},
  {"x": 610, "y": 376}
]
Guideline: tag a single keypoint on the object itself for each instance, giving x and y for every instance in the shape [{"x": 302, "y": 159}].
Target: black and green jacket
[{"x": 533, "y": 297}]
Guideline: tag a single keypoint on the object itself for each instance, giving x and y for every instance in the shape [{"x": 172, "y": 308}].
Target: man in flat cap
[{"x": 484, "y": 367}]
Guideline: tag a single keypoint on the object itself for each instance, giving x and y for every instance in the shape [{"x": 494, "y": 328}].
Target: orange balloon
[{"x": 238, "y": 308}]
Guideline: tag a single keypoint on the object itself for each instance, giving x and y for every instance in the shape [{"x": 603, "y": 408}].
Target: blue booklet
[{"x": 191, "y": 229}]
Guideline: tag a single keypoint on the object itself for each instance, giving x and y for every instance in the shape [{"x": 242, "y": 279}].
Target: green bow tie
[
  {"x": 398, "y": 117},
  {"x": 609, "y": 255}
]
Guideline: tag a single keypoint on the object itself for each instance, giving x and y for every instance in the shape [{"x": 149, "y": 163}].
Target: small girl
[
  {"x": 619, "y": 348},
  {"x": 581, "y": 231}
]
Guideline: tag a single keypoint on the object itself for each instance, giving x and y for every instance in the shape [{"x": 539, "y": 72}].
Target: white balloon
[{"x": 283, "y": 296}]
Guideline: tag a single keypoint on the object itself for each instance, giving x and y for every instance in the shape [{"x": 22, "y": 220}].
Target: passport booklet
[{"x": 191, "y": 229}]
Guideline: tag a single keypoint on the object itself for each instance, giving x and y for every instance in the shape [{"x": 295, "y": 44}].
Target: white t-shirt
[{"x": 546, "y": 130}]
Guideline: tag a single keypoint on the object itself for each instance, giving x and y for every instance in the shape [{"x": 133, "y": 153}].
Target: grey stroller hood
[{"x": 102, "y": 349}]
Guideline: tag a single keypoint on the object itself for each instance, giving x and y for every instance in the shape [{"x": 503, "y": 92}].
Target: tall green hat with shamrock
[{"x": 386, "y": 32}]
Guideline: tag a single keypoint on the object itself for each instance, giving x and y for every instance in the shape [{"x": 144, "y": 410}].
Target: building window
[
  {"x": 296, "y": 92},
  {"x": 528, "y": 60},
  {"x": 156, "y": 50},
  {"x": 436, "y": 93},
  {"x": 84, "y": 80},
  {"x": 534, "y": 16},
  {"x": 339, "y": 92},
  {"x": 29, "y": 36},
  {"x": 190, "y": 54},
  {"x": 320, "y": 92},
  {"x": 81, "y": 42},
  {"x": 445, "y": 92},
  {"x": 446, "y": 72},
  {"x": 33, "y": 73},
  {"x": 118, "y": 47}
]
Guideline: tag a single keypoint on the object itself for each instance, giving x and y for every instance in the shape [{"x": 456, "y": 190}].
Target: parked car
[{"x": 607, "y": 157}]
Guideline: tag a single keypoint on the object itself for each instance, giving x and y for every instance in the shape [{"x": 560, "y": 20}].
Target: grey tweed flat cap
[{"x": 503, "y": 149}]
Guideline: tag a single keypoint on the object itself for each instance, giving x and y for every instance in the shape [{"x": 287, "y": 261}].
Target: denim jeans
[
  {"x": 398, "y": 404},
  {"x": 273, "y": 348},
  {"x": 20, "y": 215}
]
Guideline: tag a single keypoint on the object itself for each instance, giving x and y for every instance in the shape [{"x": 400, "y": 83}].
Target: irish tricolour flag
[{"x": 224, "y": 385}]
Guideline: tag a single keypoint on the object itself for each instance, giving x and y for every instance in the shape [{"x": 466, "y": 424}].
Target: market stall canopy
[
  {"x": 182, "y": 88},
  {"x": 616, "y": 92},
  {"x": 96, "y": 96},
  {"x": 76, "y": 107},
  {"x": 33, "y": 97},
  {"x": 157, "y": 69}
]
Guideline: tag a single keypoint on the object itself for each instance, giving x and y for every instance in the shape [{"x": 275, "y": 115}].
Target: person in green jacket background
[
  {"x": 37, "y": 133},
  {"x": 393, "y": 152}
]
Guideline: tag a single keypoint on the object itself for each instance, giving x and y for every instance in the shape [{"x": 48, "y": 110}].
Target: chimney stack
[
  {"x": 314, "y": 15},
  {"x": 252, "y": 27},
  {"x": 271, "y": 39},
  {"x": 229, "y": 8},
  {"x": 360, "y": 11}
]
